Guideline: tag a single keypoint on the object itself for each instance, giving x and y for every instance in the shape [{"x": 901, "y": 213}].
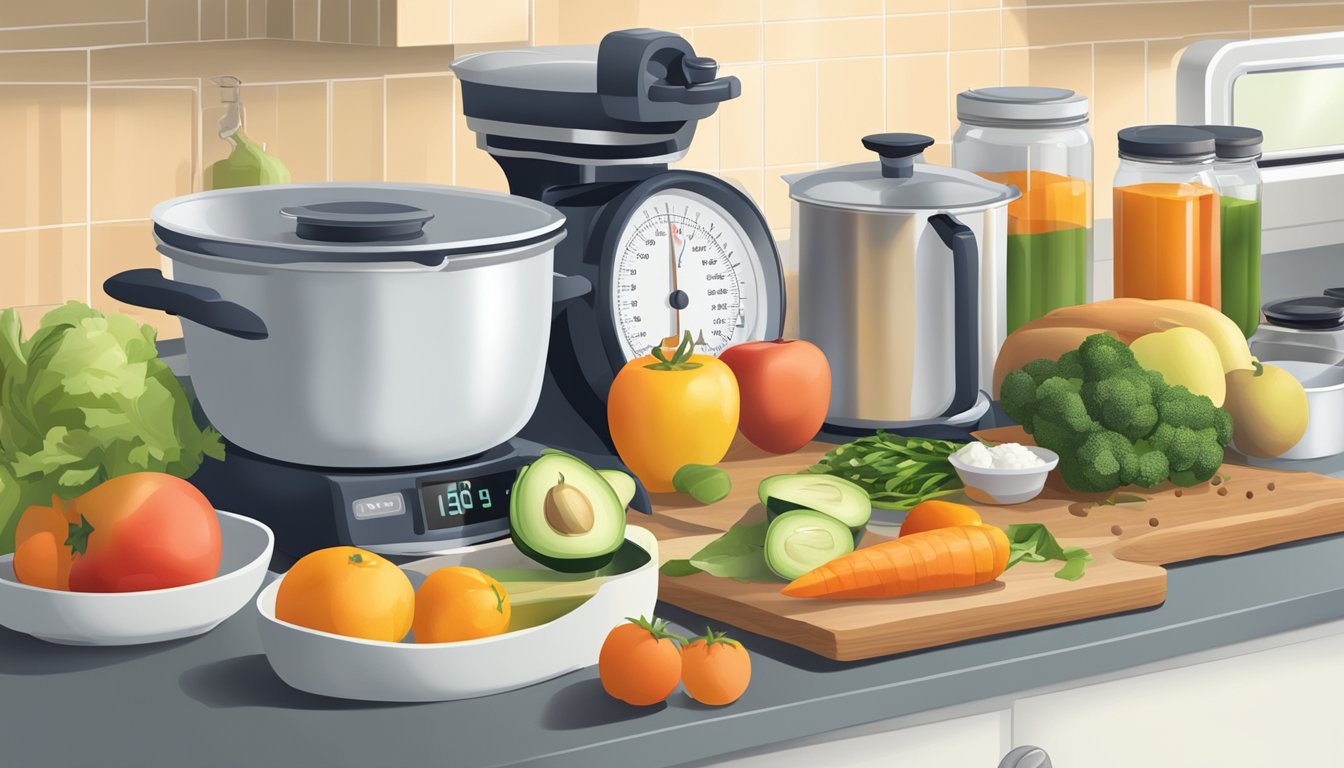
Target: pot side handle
[
  {"x": 966, "y": 310},
  {"x": 567, "y": 288},
  {"x": 150, "y": 289}
]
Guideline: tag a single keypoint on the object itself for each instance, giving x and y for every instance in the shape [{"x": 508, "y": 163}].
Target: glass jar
[
  {"x": 1035, "y": 139},
  {"x": 1237, "y": 174},
  {"x": 1167, "y": 219}
]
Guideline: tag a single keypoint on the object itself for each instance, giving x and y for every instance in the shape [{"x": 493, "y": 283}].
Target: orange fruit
[
  {"x": 347, "y": 591},
  {"x": 460, "y": 603},
  {"x": 935, "y": 513},
  {"x": 715, "y": 670}
]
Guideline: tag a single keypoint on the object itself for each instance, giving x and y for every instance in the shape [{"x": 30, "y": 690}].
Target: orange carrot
[{"x": 944, "y": 558}]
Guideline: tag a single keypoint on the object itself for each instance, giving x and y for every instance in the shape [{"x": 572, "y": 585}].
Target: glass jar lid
[
  {"x": 1166, "y": 143},
  {"x": 1236, "y": 142},
  {"x": 1020, "y": 104}
]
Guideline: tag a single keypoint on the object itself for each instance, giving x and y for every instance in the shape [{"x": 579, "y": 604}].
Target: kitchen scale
[{"x": 590, "y": 130}]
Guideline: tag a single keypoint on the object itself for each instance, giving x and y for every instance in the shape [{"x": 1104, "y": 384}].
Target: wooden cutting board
[{"x": 1248, "y": 508}]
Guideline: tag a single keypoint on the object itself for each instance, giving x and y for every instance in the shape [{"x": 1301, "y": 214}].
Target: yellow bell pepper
[{"x": 666, "y": 412}]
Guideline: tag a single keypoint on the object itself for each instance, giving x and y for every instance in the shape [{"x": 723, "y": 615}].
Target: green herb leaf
[
  {"x": 1123, "y": 498},
  {"x": 1033, "y": 543},
  {"x": 1073, "y": 569},
  {"x": 897, "y": 472},
  {"x": 738, "y": 554},
  {"x": 678, "y": 568}
]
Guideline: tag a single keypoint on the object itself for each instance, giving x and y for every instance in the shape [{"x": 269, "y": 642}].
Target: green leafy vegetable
[
  {"x": 738, "y": 554},
  {"x": 1113, "y": 422},
  {"x": 84, "y": 399},
  {"x": 1033, "y": 543},
  {"x": 897, "y": 472}
]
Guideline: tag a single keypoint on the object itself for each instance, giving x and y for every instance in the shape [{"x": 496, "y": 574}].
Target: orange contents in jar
[{"x": 1167, "y": 242}]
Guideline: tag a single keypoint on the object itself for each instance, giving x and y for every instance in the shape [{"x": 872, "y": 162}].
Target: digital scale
[{"x": 589, "y": 130}]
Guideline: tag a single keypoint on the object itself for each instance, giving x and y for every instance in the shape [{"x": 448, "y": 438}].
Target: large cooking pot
[
  {"x": 901, "y": 284},
  {"x": 359, "y": 325}
]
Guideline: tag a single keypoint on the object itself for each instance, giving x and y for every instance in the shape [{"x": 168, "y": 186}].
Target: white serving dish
[
  {"x": 1005, "y": 486},
  {"x": 370, "y": 670},
  {"x": 134, "y": 618},
  {"x": 1324, "y": 385}
]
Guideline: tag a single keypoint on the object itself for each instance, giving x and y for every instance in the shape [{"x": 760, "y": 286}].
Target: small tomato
[
  {"x": 640, "y": 662},
  {"x": 715, "y": 669}
]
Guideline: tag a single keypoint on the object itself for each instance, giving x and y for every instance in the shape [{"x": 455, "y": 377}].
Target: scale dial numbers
[{"x": 684, "y": 264}]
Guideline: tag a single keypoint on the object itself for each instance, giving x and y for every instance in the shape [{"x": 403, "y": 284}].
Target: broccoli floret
[
  {"x": 1102, "y": 356},
  {"x": 1041, "y": 369},
  {"x": 1105, "y": 460},
  {"x": 1222, "y": 426},
  {"x": 1123, "y": 403},
  {"x": 1152, "y": 467},
  {"x": 1180, "y": 407},
  {"x": 1058, "y": 401},
  {"x": 1070, "y": 366},
  {"x": 1208, "y": 458},
  {"x": 1017, "y": 395}
]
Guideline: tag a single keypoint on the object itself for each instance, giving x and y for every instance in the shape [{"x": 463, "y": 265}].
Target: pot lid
[
  {"x": 352, "y": 222},
  {"x": 898, "y": 182},
  {"x": 566, "y": 68},
  {"x": 1022, "y": 104}
]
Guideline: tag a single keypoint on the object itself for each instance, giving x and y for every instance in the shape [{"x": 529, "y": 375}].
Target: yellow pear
[
  {"x": 1268, "y": 408},
  {"x": 1186, "y": 357}
]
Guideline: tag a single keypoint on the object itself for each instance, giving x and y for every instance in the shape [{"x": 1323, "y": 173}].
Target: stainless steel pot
[
  {"x": 901, "y": 284},
  {"x": 359, "y": 325}
]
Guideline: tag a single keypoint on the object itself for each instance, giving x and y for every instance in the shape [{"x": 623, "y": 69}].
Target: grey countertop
[{"x": 214, "y": 701}]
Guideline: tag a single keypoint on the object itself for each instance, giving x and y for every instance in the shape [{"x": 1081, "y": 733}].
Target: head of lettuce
[{"x": 83, "y": 399}]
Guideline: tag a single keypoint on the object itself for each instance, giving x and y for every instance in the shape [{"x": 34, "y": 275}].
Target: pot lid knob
[
  {"x": 357, "y": 221},
  {"x": 898, "y": 151}
]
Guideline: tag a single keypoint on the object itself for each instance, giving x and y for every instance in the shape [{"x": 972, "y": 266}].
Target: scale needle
[{"x": 675, "y": 338}]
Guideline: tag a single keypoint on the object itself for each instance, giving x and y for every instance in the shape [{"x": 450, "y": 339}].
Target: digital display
[{"x": 463, "y": 502}]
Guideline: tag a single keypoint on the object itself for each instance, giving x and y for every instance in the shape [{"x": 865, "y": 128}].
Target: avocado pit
[{"x": 567, "y": 510}]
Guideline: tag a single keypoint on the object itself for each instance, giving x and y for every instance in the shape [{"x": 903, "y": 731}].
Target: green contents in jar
[
  {"x": 1046, "y": 271},
  {"x": 1241, "y": 262}
]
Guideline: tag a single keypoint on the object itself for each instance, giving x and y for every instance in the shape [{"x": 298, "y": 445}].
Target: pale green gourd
[{"x": 248, "y": 164}]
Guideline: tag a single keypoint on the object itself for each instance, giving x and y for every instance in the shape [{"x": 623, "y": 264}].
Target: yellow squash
[
  {"x": 666, "y": 412},
  {"x": 1185, "y": 357}
]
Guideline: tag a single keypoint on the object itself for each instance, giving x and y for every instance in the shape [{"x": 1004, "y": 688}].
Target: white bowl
[
  {"x": 369, "y": 670},
  {"x": 133, "y": 618},
  {"x": 1005, "y": 486}
]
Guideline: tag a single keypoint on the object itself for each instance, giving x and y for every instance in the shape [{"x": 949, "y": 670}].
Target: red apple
[{"x": 785, "y": 387}]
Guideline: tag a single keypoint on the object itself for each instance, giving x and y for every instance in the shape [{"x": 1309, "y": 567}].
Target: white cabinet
[
  {"x": 1280, "y": 706},
  {"x": 975, "y": 741}
]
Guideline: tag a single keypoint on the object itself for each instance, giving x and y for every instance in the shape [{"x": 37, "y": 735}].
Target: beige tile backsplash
[{"x": 107, "y": 108}]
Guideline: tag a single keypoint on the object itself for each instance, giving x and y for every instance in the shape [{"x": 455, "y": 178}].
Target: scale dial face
[{"x": 683, "y": 263}]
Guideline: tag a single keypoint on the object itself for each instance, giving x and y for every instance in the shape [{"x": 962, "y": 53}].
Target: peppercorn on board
[{"x": 1240, "y": 510}]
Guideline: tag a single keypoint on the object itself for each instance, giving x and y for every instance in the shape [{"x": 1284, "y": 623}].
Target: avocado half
[
  {"x": 827, "y": 494},
  {"x": 803, "y": 539},
  {"x": 558, "y": 479}
]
